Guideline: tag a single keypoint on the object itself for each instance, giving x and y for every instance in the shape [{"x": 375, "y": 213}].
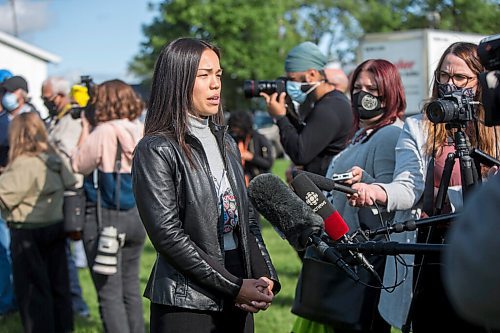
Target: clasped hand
[{"x": 255, "y": 295}]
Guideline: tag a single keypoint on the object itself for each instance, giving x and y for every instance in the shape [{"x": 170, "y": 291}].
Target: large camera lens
[
  {"x": 442, "y": 111},
  {"x": 253, "y": 88}
]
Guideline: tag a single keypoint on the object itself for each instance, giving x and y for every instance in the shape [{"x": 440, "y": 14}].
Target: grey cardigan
[{"x": 377, "y": 158}]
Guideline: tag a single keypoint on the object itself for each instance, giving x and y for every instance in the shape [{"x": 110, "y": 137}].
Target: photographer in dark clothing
[
  {"x": 324, "y": 118},
  {"x": 254, "y": 148}
]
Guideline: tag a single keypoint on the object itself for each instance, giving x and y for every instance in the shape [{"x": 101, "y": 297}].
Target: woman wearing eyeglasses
[{"x": 420, "y": 157}]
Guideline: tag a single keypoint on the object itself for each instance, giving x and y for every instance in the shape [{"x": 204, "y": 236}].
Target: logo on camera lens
[{"x": 369, "y": 102}]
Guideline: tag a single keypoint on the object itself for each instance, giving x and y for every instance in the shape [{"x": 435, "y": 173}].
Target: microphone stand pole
[
  {"x": 412, "y": 225},
  {"x": 390, "y": 248}
]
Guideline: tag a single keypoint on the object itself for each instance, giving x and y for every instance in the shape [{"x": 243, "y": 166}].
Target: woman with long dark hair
[{"x": 212, "y": 270}]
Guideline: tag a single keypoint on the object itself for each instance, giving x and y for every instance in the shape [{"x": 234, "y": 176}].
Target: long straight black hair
[{"x": 171, "y": 97}]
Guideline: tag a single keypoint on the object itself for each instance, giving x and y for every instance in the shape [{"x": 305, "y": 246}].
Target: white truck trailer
[{"x": 416, "y": 54}]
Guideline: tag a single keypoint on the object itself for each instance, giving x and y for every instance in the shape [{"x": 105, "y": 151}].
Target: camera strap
[
  {"x": 95, "y": 177},
  {"x": 118, "y": 166},
  {"x": 118, "y": 163}
]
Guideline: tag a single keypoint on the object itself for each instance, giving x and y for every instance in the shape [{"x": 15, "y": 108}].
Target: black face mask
[
  {"x": 446, "y": 89},
  {"x": 51, "y": 107},
  {"x": 367, "y": 105}
]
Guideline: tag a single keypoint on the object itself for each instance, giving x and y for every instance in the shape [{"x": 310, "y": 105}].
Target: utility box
[{"x": 416, "y": 54}]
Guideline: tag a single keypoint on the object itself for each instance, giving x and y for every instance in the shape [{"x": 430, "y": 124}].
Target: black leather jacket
[{"x": 179, "y": 208}]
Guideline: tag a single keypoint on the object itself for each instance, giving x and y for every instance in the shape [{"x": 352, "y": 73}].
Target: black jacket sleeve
[{"x": 330, "y": 120}]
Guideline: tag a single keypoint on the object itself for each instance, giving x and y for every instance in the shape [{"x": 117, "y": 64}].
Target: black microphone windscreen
[{"x": 284, "y": 209}]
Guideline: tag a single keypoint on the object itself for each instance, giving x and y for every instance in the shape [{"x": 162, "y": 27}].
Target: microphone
[
  {"x": 335, "y": 226},
  {"x": 292, "y": 218},
  {"x": 323, "y": 183},
  {"x": 412, "y": 225}
]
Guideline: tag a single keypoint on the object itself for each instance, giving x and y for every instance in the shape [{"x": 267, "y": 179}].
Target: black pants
[
  {"x": 433, "y": 311},
  {"x": 169, "y": 319},
  {"x": 41, "y": 279},
  {"x": 119, "y": 296}
]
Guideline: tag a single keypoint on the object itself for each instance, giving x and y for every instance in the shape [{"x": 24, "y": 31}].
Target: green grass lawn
[{"x": 277, "y": 319}]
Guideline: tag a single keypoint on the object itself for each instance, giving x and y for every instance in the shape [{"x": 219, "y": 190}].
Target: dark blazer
[
  {"x": 179, "y": 209},
  {"x": 262, "y": 156}
]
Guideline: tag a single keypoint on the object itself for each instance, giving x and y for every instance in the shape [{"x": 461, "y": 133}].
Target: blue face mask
[
  {"x": 294, "y": 90},
  {"x": 9, "y": 102}
]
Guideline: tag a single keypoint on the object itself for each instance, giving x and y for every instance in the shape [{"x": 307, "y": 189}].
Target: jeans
[
  {"x": 7, "y": 300},
  {"x": 78, "y": 252},
  {"x": 120, "y": 300},
  {"x": 79, "y": 305}
]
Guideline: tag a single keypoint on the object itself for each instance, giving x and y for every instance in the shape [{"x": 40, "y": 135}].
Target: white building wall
[
  {"x": 27, "y": 61},
  {"x": 33, "y": 69}
]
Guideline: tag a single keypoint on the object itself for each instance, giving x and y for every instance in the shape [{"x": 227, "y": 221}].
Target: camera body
[
  {"x": 454, "y": 108},
  {"x": 488, "y": 51},
  {"x": 106, "y": 260},
  {"x": 76, "y": 111},
  {"x": 253, "y": 88}
]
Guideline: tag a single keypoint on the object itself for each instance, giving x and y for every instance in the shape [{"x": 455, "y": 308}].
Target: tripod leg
[
  {"x": 468, "y": 172},
  {"x": 444, "y": 183}
]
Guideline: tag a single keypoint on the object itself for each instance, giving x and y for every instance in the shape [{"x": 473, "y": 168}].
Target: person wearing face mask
[
  {"x": 325, "y": 117},
  {"x": 64, "y": 133},
  {"x": 420, "y": 154},
  {"x": 15, "y": 98},
  {"x": 378, "y": 104}
]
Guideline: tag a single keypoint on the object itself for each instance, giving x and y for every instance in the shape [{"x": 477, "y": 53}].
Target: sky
[{"x": 93, "y": 37}]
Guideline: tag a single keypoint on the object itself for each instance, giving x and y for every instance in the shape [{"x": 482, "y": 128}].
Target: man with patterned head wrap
[{"x": 323, "y": 123}]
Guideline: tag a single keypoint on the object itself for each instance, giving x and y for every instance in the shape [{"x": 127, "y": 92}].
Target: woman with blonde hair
[
  {"x": 31, "y": 200},
  {"x": 104, "y": 155}
]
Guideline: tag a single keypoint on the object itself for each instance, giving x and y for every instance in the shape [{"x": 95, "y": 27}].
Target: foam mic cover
[
  {"x": 325, "y": 184},
  {"x": 334, "y": 224},
  {"x": 284, "y": 209}
]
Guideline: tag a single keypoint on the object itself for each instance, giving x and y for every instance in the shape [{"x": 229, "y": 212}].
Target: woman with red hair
[{"x": 378, "y": 103}]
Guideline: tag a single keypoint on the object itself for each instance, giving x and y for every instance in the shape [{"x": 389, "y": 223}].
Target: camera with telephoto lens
[
  {"x": 453, "y": 108},
  {"x": 76, "y": 112},
  {"x": 253, "y": 88},
  {"x": 106, "y": 260},
  {"x": 488, "y": 51}
]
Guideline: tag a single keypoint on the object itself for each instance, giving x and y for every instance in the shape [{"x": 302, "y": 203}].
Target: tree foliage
[
  {"x": 344, "y": 22},
  {"x": 255, "y": 35}
]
